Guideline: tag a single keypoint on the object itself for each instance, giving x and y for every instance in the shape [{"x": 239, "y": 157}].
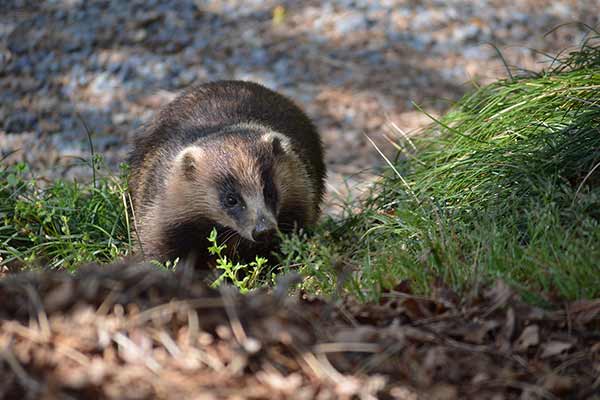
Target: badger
[{"x": 230, "y": 155}]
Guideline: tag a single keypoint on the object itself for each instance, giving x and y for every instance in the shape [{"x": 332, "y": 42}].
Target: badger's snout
[{"x": 264, "y": 230}]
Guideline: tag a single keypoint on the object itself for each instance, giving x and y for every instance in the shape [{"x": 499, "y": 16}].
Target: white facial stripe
[
  {"x": 286, "y": 145},
  {"x": 256, "y": 205}
]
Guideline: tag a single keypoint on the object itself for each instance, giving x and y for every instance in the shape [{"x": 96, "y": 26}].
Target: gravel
[{"x": 354, "y": 66}]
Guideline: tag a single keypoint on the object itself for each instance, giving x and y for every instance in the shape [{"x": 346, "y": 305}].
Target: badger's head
[{"x": 241, "y": 181}]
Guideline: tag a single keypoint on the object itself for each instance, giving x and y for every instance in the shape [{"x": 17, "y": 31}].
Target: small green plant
[
  {"x": 167, "y": 265},
  {"x": 243, "y": 276}
]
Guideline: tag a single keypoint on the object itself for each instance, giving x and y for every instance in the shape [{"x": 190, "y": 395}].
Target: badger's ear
[
  {"x": 187, "y": 161},
  {"x": 280, "y": 144}
]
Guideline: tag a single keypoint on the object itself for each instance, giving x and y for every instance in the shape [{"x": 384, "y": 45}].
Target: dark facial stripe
[
  {"x": 269, "y": 190},
  {"x": 270, "y": 193},
  {"x": 228, "y": 188}
]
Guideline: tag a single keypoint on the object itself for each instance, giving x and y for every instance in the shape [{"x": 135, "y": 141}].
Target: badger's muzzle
[{"x": 264, "y": 230}]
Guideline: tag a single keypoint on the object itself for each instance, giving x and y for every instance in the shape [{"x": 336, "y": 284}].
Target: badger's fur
[{"x": 232, "y": 155}]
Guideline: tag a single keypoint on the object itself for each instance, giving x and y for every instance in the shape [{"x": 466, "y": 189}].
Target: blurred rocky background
[{"x": 356, "y": 67}]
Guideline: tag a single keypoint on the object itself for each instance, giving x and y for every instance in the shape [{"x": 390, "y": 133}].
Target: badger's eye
[{"x": 231, "y": 201}]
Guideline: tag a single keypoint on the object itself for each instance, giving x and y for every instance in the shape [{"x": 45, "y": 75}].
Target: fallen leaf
[
  {"x": 554, "y": 348},
  {"x": 443, "y": 392},
  {"x": 499, "y": 295},
  {"x": 446, "y": 296},
  {"x": 417, "y": 309},
  {"x": 403, "y": 393},
  {"x": 558, "y": 384},
  {"x": 279, "y": 382},
  {"x": 403, "y": 287},
  {"x": 584, "y": 311},
  {"x": 529, "y": 337},
  {"x": 477, "y": 332},
  {"x": 507, "y": 331}
]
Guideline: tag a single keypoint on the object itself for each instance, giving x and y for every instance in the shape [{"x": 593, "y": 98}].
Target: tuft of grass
[
  {"x": 63, "y": 224},
  {"x": 507, "y": 184}
]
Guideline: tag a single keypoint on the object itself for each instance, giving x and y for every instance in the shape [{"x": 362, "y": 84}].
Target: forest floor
[{"x": 131, "y": 331}]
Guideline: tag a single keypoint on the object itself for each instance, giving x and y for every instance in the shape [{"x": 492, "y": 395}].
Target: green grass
[
  {"x": 64, "y": 224},
  {"x": 506, "y": 184},
  {"x": 68, "y": 224}
]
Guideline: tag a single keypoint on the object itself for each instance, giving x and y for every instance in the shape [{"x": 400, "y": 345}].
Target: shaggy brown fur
[{"x": 231, "y": 155}]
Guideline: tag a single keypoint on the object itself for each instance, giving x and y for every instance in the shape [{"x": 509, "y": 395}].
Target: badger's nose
[{"x": 263, "y": 231}]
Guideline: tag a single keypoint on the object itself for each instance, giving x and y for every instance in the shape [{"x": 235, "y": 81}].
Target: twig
[
  {"x": 169, "y": 344},
  {"x": 234, "y": 321},
  {"x": 173, "y": 307},
  {"x": 372, "y": 362},
  {"x": 342, "y": 347},
  {"x": 128, "y": 344},
  {"x": 27, "y": 381},
  {"x": 42, "y": 317},
  {"x": 193, "y": 326}
]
